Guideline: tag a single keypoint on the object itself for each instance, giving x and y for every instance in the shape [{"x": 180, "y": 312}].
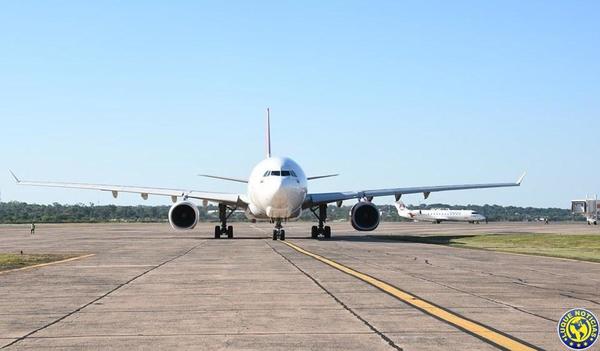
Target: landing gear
[
  {"x": 223, "y": 229},
  {"x": 321, "y": 229},
  {"x": 278, "y": 232}
]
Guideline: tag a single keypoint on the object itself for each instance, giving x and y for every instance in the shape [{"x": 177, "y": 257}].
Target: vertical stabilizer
[{"x": 268, "y": 136}]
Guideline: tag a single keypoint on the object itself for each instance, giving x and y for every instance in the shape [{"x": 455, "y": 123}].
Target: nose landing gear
[{"x": 278, "y": 232}]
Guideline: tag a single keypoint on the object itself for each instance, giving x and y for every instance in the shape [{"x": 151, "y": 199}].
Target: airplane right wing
[
  {"x": 225, "y": 198},
  {"x": 324, "y": 198}
]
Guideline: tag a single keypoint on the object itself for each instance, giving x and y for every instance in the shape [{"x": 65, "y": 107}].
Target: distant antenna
[{"x": 268, "y": 136}]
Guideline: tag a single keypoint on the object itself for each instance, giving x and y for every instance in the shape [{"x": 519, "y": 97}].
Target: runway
[{"x": 147, "y": 286}]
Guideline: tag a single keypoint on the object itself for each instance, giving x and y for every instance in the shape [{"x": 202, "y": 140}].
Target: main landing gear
[
  {"x": 322, "y": 217},
  {"x": 278, "y": 231},
  {"x": 223, "y": 229}
]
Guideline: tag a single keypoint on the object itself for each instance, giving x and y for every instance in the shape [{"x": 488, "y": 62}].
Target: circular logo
[{"x": 578, "y": 329}]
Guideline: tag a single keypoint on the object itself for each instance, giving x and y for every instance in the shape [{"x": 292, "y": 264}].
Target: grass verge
[
  {"x": 577, "y": 247},
  {"x": 15, "y": 261}
]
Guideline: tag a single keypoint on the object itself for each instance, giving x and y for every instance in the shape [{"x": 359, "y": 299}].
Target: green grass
[
  {"x": 578, "y": 247},
  {"x": 13, "y": 261}
]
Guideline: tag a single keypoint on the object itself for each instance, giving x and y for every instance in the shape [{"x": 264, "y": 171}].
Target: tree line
[{"x": 20, "y": 212}]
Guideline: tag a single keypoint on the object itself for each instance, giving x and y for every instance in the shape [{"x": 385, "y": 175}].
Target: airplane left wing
[
  {"x": 324, "y": 198},
  {"x": 225, "y": 198}
]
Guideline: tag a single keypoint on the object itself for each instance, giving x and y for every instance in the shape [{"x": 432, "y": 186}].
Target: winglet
[
  {"x": 521, "y": 178},
  {"x": 268, "y": 136},
  {"x": 14, "y": 176}
]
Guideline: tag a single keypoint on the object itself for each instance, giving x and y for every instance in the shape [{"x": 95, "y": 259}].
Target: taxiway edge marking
[
  {"x": 476, "y": 329},
  {"x": 47, "y": 264}
]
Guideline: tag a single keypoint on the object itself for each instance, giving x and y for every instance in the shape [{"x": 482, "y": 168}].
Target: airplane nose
[
  {"x": 280, "y": 198},
  {"x": 280, "y": 194}
]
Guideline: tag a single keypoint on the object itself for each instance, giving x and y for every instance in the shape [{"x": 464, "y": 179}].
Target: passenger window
[{"x": 275, "y": 173}]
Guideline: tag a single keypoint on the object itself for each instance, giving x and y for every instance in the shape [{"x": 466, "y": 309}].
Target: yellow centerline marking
[
  {"x": 479, "y": 330},
  {"x": 46, "y": 264}
]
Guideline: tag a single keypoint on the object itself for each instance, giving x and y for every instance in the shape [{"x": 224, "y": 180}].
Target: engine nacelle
[
  {"x": 184, "y": 215},
  {"x": 364, "y": 216}
]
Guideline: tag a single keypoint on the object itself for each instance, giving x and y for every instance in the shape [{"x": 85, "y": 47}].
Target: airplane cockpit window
[
  {"x": 279, "y": 173},
  {"x": 475, "y": 212}
]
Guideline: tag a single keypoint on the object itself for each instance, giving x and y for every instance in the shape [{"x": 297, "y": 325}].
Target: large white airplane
[
  {"x": 277, "y": 192},
  {"x": 438, "y": 215}
]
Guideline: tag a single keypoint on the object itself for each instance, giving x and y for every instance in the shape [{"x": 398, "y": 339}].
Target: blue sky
[{"x": 387, "y": 93}]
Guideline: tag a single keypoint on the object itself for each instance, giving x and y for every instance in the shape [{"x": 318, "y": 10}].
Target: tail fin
[
  {"x": 268, "y": 136},
  {"x": 400, "y": 205}
]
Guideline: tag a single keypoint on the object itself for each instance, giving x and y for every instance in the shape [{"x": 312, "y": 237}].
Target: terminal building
[{"x": 588, "y": 208}]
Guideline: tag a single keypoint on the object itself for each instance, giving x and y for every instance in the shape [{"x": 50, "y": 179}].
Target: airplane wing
[
  {"x": 230, "y": 199},
  {"x": 323, "y": 198}
]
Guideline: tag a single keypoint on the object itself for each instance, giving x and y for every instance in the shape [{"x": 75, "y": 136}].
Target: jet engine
[
  {"x": 183, "y": 215},
  {"x": 364, "y": 216}
]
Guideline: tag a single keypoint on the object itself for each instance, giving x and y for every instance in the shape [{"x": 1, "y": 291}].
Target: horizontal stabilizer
[
  {"x": 224, "y": 178},
  {"x": 322, "y": 176}
]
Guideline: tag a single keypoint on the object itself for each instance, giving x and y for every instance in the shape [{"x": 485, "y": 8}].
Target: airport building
[{"x": 588, "y": 208}]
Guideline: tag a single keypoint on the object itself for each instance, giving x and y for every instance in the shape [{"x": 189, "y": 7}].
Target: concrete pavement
[{"x": 150, "y": 287}]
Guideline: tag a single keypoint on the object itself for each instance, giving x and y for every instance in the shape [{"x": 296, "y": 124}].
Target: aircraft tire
[
  {"x": 282, "y": 234},
  {"x": 327, "y": 232},
  {"x": 230, "y": 232},
  {"x": 314, "y": 232},
  {"x": 217, "y": 232}
]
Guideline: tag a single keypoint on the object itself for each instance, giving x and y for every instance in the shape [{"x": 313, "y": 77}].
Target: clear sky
[{"x": 387, "y": 93}]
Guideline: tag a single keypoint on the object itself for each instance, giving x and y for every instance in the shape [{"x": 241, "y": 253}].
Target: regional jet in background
[
  {"x": 277, "y": 191},
  {"x": 438, "y": 215}
]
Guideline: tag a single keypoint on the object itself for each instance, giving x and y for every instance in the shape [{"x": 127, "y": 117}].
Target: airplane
[
  {"x": 277, "y": 191},
  {"x": 439, "y": 215}
]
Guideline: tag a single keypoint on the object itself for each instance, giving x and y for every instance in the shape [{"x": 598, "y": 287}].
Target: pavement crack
[
  {"x": 579, "y": 298},
  {"x": 447, "y": 286},
  {"x": 565, "y": 293},
  {"x": 340, "y": 302},
  {"x": 19, "y": 339}
]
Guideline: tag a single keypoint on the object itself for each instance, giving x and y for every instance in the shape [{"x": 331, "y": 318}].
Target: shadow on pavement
[{"x": 437, "y": 240}]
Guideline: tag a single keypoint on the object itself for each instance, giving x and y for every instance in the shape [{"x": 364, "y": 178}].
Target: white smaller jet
[{"x": 438, "y": 215}]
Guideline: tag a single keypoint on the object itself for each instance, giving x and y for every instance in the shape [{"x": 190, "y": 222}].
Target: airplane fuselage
[
  {"x": 439, "y": 215},
  {"x": 277, "y": 188}
]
